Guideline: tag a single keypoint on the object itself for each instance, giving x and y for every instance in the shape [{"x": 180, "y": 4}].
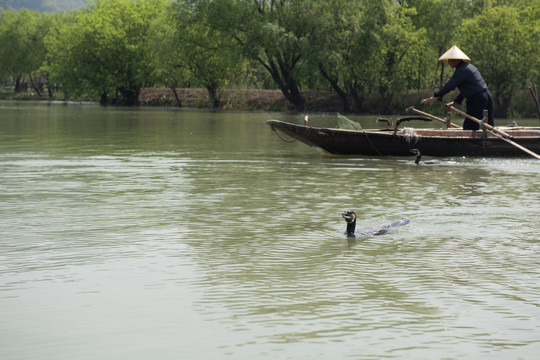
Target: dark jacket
[{"x": 467, "y": 79}]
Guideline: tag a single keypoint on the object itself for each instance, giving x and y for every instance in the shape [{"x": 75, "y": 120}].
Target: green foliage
[
  {"x": 22, "y": 35},
  {"x": 347, "y": 41},
  {"x": 166, "y": 52},
  {"x": 105, "y": 49},
  {"x": 275, "y": 34},
  {"x": 441, "y": 20},
  {"x": 367, "y": 51},
  {"x": 211, "y": 57},
  {"x": 401, "y": 55},
  {"x": 363, "y": 47},
  {"x": 501, "y": 42}
]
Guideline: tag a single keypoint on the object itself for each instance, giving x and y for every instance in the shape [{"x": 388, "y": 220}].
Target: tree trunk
[
  {"x": 534, "y": 94},
  {"x": 386, "y": 99},
  {"x": 441, "y": 76},
  {"x": 34, "y": 85},
  {"x": 178, "y": 102},
  {"x": 289, "y": 88},
  {"x": 213, "y": 96},
  {"x": 292, "y": 94},
  {"x": 358, "y": 96},
  {"x": 339, "y": 91},
  {"x": 281, "y": 73},
  {"x": 130, "y": 97},
  {"x": 104, "y": 100},
  {"x": 502, "y": 104},
  {"x": 18, "y": 84}
]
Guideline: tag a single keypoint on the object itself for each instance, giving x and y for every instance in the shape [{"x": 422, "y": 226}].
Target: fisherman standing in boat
[{"x": 471, "y": 86}]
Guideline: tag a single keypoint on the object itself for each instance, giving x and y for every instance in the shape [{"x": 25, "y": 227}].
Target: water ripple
[{"x": 175, "y": 237}]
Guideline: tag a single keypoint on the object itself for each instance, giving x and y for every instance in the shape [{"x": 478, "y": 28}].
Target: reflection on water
[{"x": 188, "y": 234}]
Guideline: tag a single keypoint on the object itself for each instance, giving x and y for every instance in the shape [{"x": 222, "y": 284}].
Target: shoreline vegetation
[
  {"x": 230, "y": 99},
  {"x": 376, "y": 57},
  {"x": 268, "y": 100}
]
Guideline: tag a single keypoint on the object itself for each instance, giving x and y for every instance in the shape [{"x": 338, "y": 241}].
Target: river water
[{"x": 188, "y": 234}]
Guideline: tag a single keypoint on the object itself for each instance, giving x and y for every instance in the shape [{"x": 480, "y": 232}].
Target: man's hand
[
  {"x": 453, "y": 103},
  {"x": 429, "y": 100}
]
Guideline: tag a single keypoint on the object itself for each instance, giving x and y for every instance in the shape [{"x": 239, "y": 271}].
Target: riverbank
[
  {"x": 231, "y": 99},
  {"x": 523, "y": 105},
  {"x": 251, "y": 100},
  {"x": 269, "y": 100}
]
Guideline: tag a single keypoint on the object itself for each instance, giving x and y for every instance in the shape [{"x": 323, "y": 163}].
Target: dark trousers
[{"x": 475, "y": 107}]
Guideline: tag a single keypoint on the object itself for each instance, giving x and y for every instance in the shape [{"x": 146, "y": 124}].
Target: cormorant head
[
  {"x": 418, "y": 155},
  {"x": 350, "y": 218}
]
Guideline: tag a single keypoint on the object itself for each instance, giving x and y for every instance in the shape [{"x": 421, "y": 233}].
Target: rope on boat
[
  {"x": 282, "y": 138},
  {"x": 371, "y": 144}
]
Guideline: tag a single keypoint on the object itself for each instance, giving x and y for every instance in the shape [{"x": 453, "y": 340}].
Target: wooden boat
[{"x": 399, "y": 142}]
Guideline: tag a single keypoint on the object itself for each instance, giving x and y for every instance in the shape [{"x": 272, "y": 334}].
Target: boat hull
[{"x": 432, "y": 142}]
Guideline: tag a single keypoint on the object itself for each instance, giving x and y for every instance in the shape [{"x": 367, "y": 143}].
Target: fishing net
[{"x": 344, "y": 123}]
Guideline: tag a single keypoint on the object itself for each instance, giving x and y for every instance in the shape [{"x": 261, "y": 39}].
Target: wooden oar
[
  {"x": 433, "y": 117},
  {"x": 498, "y": 133},
  {"x": 534, "y": 94}
]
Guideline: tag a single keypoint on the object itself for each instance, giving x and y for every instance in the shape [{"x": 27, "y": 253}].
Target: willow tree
[
  {"x": 502, "y": 43},
  {"x": 273, "y": 33},
  {"x": 22, "y": 51},
  {"x": 338, "y": 19},
  {"x": 401, "y": 55},
  {"x": 103, "y": 50},
  {"x": 166, "y": 52},
  {"x": 441, "y": 20},
  {"x": 345, "y": 48},
  {"x": 211, "y": 57}
]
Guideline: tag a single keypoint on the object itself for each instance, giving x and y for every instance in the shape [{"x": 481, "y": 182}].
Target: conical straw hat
[{"x": 454, "y": 54}]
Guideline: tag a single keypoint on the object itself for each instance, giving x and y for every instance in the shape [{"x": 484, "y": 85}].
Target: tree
[
  {"x": 501, "y": 43},
  {"x": 212, "y": 57},
  {"x": 105, "y": 50},
  {"x": 166, "y": 53},
  {"x": 343, "y": 48},
  {"x": 274, "y": 33},
  {"x": 22, "y": 52},
  {"x": 401, "y": 55},
  {"x": 441, "y": 20}
]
